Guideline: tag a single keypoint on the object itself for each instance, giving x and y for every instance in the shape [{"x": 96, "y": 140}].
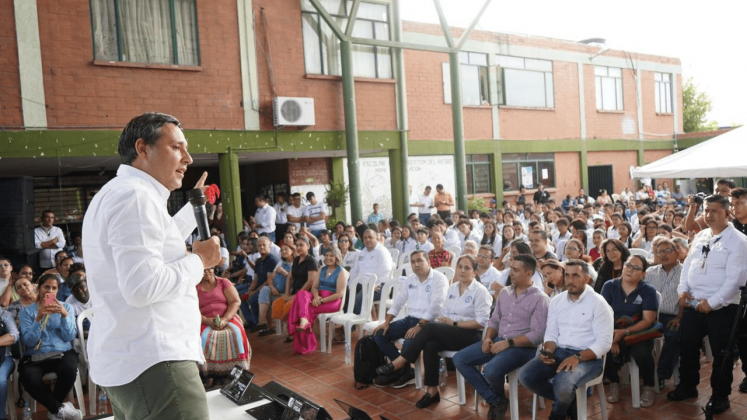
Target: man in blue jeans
[
  {"x": 514, "y": 332},
  {"x": 264, "y": 265},
  {"x": 579, "y": 332},
  {"x": 424, "y": 292}
]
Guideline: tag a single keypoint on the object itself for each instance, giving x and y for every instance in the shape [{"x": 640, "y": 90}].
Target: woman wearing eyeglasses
[
  {"x": 613, "y": 257},
  {"x": 634, "y": 304},
  {"x": 649, "y": 229}
]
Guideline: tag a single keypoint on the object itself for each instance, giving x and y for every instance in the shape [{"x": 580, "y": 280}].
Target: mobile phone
[
  {"x": 50, "y": 299},
  {"x": 547, "y": 354}
]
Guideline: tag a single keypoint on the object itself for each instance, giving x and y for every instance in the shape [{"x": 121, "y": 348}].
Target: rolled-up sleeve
[
  {"x": 136, "y": 239},
  {"x": 603, "y": 327},
  {"x": 736, "y": 274},
  {"x": 538, "y": 321}
]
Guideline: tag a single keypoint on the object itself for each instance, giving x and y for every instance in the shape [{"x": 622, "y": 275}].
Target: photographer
[{"x": 723, "y": 188}]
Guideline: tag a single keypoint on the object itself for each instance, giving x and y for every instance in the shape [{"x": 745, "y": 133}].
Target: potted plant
[{"x": 337, "y": 194}]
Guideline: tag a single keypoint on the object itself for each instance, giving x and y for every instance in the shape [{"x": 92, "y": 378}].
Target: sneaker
[
  {"x": 717, "y": 405},
  {"x": 498, "y": 409},
  {"x": 407, "y": 378},
  {"x": 680, "y": 393},
  {"x": 69, "y": 412},
  {"x": 614, "y": 395},
  {"x": 647, "y": 396}
]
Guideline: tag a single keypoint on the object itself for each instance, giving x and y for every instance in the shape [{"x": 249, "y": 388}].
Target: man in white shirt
[
  {"x": 314, "y": 215},
  {"x": 425, "y": 205},
  {"x": 709, "y": 291},
  {"x": 579, "y": 333},
  {"x": 281, "y": 217},
  {"x": 264, "y": 219},
  {"x": 145, "y": 341},
  {"x": 295, "y": 211},
  {"x": 49, "y": 239},
  {"x": 424, "y": 291},
  {"x": 372, "y": 259},
  {"x": 79, "y": 300}
]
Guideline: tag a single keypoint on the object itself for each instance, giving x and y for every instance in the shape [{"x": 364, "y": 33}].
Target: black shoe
[
  {"x": 259, "y": 327},
  {"x": 387, "y": 370},
  {"x": 498, "y": 409},
  {"x": 266, "y": 332},
  {"x": 384, "y": 380},
  {"x": 427, "y": 400},
  {"x": 680, "y": 393},
  {"x": 743, "y": 385},
  {"x": 407, "y": 378},
  {"x": 661, "y": 383},
  {"x": 573, "y": 411},
  {"x": 717, "y": 405}
]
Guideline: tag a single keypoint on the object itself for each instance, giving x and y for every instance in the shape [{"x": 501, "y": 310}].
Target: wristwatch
[
  {"x": 455, "y": 323},
  {"x": 510, "y": 342},
  {"x": 579, "y": 356}
]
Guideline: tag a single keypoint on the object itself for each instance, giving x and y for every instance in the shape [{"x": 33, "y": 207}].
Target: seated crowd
[{"x": 555, "y": 294}]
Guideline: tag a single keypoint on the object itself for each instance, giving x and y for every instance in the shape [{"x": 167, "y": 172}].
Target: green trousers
[{"x": 166, "y": 390}]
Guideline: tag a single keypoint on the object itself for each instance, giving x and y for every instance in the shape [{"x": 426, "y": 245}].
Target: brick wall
[
  {"x": 10, "y": 83},
  {"x": 79, "y": 93},
  {"x": 430, "y": 117},
  {"x": 375, "y": 101},
  {"x": 653, "y": 122},
  {"x": 611, "y": 124},
  {"x": 314, "y": 171},
  {"x": 68, "y": 204},
  {"x": 567, "y": 175},
  {"x": 621, "y": 162},
  {"x": 654, "y": 155}
]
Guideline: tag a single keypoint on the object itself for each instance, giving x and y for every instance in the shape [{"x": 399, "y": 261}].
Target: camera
[{"x": 699, "y": 197}]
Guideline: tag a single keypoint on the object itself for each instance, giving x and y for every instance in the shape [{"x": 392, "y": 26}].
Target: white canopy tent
[{"x": 720, "y": 157}]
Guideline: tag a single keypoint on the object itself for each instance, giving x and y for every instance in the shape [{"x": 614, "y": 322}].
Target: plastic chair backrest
[
  {"x": 85, "y": 315},
  {"x": 386, "y": 289},
  {"x": 448, "y": 272},
  {"x": 395, "y": 254},
  {"x": 370, "y": 281},
  {"x": 638, "y": 252}
]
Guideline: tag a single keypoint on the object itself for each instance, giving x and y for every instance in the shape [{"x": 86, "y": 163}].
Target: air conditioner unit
[{"x": 293, "y": 111}]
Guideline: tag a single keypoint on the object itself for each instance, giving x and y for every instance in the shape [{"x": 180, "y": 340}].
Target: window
[
  {"x": 663, "y": 92},
  {"x": 322, "y": 48},
  {"x": 474, "y": 75},
  {"x": 528, "y": 169},
  {"x": 526, "y": 82},
  {"x": 609, "y": 85},
  {"x": 145, "y": 31},
  {"x": 479, "y": 180}
]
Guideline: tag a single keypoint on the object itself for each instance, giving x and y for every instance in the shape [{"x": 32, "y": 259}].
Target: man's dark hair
[
  {"x": 715, "y": 198},
  {"x": 562, "y": 221},
  {"x": 529, "y": 261},
  {"x": 579, "y": 224},
  {"x": 77, "y": 267},
  {"x": 521, "y": 247},
  {"x": 439, "y": 187},
  {"x": 428, "y": 187},
  {"x": 296, "y": 195},
  {"x": 489, "y": 249},
  {"x": 644, "y": 262},
  {"x": 728, "y": 182},
  {"x": 540, "y": 232},
  {"x": 376, "y": 204},
  {"x": 738, "y": 193},
  {"x": 4, "y": 258},
  {"x": 666, "y": 226},
  {"x": 280, "y": 194},
  {"x": 578, "y": 263},
  {"x": 62, "y": 251},
  {"x": 47, "y": 211},
  {"x": 147, "y": 127},
  {"x": 420, "y": 251}
]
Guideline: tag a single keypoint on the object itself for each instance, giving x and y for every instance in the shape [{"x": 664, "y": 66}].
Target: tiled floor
[{"x": 323, "y": 377}]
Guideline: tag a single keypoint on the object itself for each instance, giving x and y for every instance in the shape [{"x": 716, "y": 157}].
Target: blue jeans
[
  {"x": 316, "y": 233},
  {"x": 490, "y": 383},
  {"x": 424, "y": 218},
  {"x": 536, "y": 376},
  {"x": 397, "y": 329},
  {"x": 250, "y": 309},
  {"x": 5, "y": 370},
  {"x": 670, "y": 352}
]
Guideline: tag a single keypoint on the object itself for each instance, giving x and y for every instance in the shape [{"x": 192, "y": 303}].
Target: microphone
[{"x": 197, "y": 199}]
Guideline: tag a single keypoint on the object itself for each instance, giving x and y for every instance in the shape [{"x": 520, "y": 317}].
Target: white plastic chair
[
  {"x": 348, "y": 318},
  {"x": 323, "y": 318},
  {"x": 92, "y": 388},
  {"x": 395, "y": 254},
  {"x": 448, "y": 272},
  {"x": 454, "y": 250},
  {"x": 638, "y": 253},
  {"x": 386, "y": 289},
  {"x": 454, "y": 257},
  {"x": 581, "y": 393}
]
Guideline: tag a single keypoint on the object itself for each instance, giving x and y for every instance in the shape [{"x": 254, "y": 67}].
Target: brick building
[{"x": 75, "y": 71}]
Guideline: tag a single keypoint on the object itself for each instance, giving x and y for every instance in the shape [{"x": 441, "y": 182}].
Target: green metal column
[
  {"x": 400, "y": 209},
  {"x": 351, "y": 130},
  {"x": 400, "y": 192},
  {"x": 230, "y": 195},
  {"x": 460, "y": 170},
  {"x": 497, "y": 164},
  {"x": 583, "y": 163},
  {"x": 338, "y": 175}
]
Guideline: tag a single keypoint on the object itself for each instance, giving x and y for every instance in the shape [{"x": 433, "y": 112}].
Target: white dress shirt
[
  {"x": 490, "y": 276},
  {"x": 142, "y": 281},
  {"x": 451, "y": 238},
  {"x": 473, "y": 304},
  {"x": 425, "y": 299},
  {"x": 426, "y": 247},
  {"x": 46, "y": 256},
  {"x": 376, "y": 261},
  {"x": 717, "y": 276},
  {"x": 587, "y": 323},
  {"x": 350, "y": 257},
  {"x": 427, "y": 202},
  {"x": 295, "y": 212},
  {"x": 77, "y": 305},
  {"x": 281, "y": 217},
  {"x": 275, "y": 251},
  {"x": 265, "y": 218}
]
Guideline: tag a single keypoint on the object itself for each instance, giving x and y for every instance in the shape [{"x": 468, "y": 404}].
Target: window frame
[
  {"x": 659, "y": 94},
  {"x": 174, "y": 43},
  {"x": 529, "y": 159},
  {"x": 471, "y": 165},
  {"x": 619, "y": 104},
  {"x": 482, "y": 77},
  {"x": 551, "y": 72},
  {"x": 346, "y": 3}
]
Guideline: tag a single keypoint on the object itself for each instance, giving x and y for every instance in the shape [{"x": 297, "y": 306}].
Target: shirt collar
[
  {"x": 127, "y": 170},
  {"x": 588, "y": 289}
]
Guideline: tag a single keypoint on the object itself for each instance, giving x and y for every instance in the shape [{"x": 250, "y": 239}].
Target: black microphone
[{"x": 197, "y": 199}]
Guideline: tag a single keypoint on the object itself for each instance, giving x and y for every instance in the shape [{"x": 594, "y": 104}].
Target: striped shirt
[
  {"x": 666, "y": 284},
  {"x": 525, "y": 314}
]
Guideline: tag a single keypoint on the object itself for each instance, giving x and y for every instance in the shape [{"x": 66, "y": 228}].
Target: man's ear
[{"x": 141, "y": 148}]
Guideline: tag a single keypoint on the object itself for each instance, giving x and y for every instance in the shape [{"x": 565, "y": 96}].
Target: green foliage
[
  {"x": 695, "y": 106},
  {"x": 477, "y": 203},
  {"x": 337, "y": 194}
]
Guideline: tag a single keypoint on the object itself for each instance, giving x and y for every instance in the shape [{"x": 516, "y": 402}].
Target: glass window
[
  {"x": 479, "y": 180},
  {"x": 526, "y": 82},
  {"x": 528, "y": 169},
  {"x": 608, "y": 84},
  {"x": 663, "y": 92},
  {"x": 322, "y": 48},
  {"x": 158, "y": 31},
  {"x": 474, "y": 76}
]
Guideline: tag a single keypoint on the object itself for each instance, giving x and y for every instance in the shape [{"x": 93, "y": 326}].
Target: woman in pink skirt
[{"x": 325, "y": 297}]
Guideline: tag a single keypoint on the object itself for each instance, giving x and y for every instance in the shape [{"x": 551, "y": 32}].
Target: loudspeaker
[{"x": 17, "y": 215}]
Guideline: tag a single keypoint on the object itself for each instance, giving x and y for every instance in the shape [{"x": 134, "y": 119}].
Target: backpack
[{"x": 367, "y": 358}]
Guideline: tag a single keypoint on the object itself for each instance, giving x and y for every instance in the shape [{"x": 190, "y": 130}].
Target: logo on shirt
[
  {"x": 468, "y": 299},
  {"x": 638, "y": 300},
  {"x": 452, "y": 297},
  {"x": 411, "y": 286},
  {"x": 428, "y": 288}
]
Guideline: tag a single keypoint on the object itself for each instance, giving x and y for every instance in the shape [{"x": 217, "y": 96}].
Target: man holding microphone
[{"x": 144, "y": 340}]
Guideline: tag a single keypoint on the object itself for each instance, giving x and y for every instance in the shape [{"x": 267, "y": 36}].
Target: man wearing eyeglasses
[
  {"x": 665, "y": 278},
  {"x": 49, "y": 239},
  {"x": 709, "y": 291}
]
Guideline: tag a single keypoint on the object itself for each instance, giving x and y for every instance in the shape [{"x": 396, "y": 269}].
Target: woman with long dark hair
[{"x": 615, "y": 255}]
